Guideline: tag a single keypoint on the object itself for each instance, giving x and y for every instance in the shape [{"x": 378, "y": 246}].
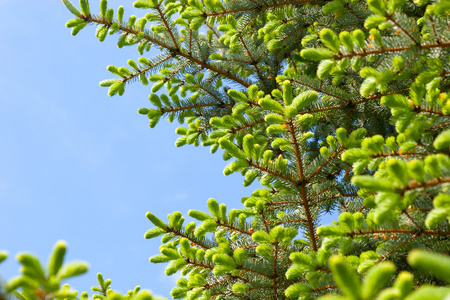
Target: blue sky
[{"x": 78, "y": 165}]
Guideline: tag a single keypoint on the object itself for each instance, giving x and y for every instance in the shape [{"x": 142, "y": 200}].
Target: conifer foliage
[
  {"x": 37, "y": 282},
  {"x": 335, "y": 105},
  {"x": 330, "y": 105}
]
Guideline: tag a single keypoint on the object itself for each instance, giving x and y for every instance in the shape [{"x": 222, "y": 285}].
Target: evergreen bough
[{"x": 332, "y": 106}]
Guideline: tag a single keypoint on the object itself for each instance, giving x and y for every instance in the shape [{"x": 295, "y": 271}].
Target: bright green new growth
[
  {"x": 3, "y": 255},
  {"x": 337, "y": 105},
  {"x": 39, "y": 283}
]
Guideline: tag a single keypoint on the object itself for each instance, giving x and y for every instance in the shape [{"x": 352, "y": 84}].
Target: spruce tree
[
  {"x": 330, "y": 105},
  {"x": 333, "y": 106}
]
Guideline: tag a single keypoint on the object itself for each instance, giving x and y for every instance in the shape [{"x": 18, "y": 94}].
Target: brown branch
[
  {"x": 282, "y": 203},
  {"x": 213, "y": 30},
  {"x": 324, "y": 288},
  {"x": 439, "y": 126},
  {"x": 434, "y": 29},
  {"x": 320, "y": 90},
  {"x": 255, "y": 65},
  {"x": 161, "y": 15},
  {"x": 408, "y": 63},
  {"x": 402, "y": 29},
  {"x": 191, "y": 239},
  {"x": 329, "y": 159},
  {"x": 239, "y": 128},
  {"x": 198, "y": 264},
  {"x": 302, "y": 183},
  {"x": 175, "y": 109},
  {"x": 397, "y": 154},
  {"x": 324, "y": 200},
  {"x": 168, "y": 77},
  {"x": 260, "y": 288},
  {"x": 429, "y": 111},
  {"x": 380, "y": 95},
  {"x": 297, "y": 150},
  {"x": 402, "y": 231},
  {"x": 349, "y": 123},
  {"x": 423, "y": 209},
  {"x": 137, "y": 73},
  {"x": 430, "y": 183},
  {"x": 252, "y": 164},
  {"x": 219, "y": 223},
  {"x": 321, "y": 109},
  {"x": 347, "y": 6},
  {"x": 293, "y": 221},
  {"x": 412, "y": 220},
  {"x": 215, "y": 283},
  {"x": 320, "y": 192},
  {"x": 210, "y": 93},
  {"x": 275, "y": 272},
  {"x": 236, "y": 60},
  {"x": 264, "y": 222},
  {"x": 395, "y": 49},
  {"x": 254, "y": 271},
  {"x": 233, "y": 11},
  {"x": 227, "y": 74},
  {"x": 190, "y": 38},
  {"x": 398, "y": 246}
]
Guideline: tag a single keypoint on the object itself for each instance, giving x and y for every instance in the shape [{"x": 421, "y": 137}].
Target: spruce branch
[
  {"x": 166, "y": 25},
  {"x": 401, "y": 231},
  {"x": 424, "y": 46},
  {"x": 301, "y": 183},
  {"x": 390, "y": 18},
  {"x": 193, "y": 240},
  {"x": 259, "y": 7},
  {"x": 176, "y": 51},
  {"x": 329, "y": 159},
  {"x": 146, "y": 69}
]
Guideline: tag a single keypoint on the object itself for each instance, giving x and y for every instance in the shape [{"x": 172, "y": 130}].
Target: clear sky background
[{"x": 78, "y": 165}]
